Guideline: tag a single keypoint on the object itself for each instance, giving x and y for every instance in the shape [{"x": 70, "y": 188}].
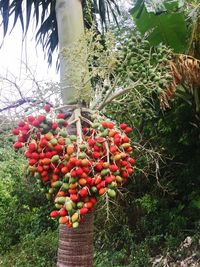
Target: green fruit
[
  {"x": 81, "y": 155},
  {"x": 57, "y": 184},
  {"x": 64, "y": 134},
  {"x": 60, "y": 121},
  {"x": 55, "y": 158},
  {"x": 80, "y": 205},
  {"x": 83, "y": 147},
  {"x": 65, "y": 187},
  {"x": 51, "y": 190},
  {"x": 68, "y": 206},
  {"x": 53, "y": 141},
  {"x": 73, "y": 137},
  {"x": 67, "y": 141},
  {"x": 67, "y": 177},
  {"x": 95, "y": 125},
  {"x": 93, "y": 189},
  {"x": 104, "y": 172},
  {"x": 73, "y": 180},
  {"x": 48, "y": 196},
  {"x": 112, "y": 185},
  {"x": 60, "y": 200},
  {"x": 111, "y": 193},
  {"x": 75, "y": 225}
]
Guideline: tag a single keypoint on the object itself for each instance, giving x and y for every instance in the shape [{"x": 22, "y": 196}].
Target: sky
[{"x": 13, "y": 52}]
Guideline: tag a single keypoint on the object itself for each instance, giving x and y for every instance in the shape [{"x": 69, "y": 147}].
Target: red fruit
[
  {"x": 21, "y": 124},
  {"x": 54, "y": 214},
  {"x": 26, "y": 127},
  {"x": 97, "y": 148},
  {"x": 104, "y": 124},
  {"x": 100, "y": 139},
  {"x": 54, "y": 125},
  {"x": 109, "y": 179},
  {"x": 41, "y": 118},
  {"x": 93, "y": 200},
  {"x": 124, "y": 163},
  {"x": 15, "y": 131},
  {"x": 123, "y": 126},
  {"x": 64, "y": 170},
  {"x": 72, "y": 191},
  {"x": 128, "y": 130},
  {"x": 91, "y": 142},
  {"x": 17, "y": 145},
  {"x": 61, "y": 116},
  {"x": 126, "y": 139},
  {"x": 130, "y": 170},
  {"x": 113, "y": 168},
  {"x": 86, "y": 170},
  {"x": 42, "y": 155},
  {"x": 78, "y": 163},
  {"x": 117, "y": 141},
  {"x": 99, "y": 166},
  {"x": 97, "y": 179},
  {"x": 32, "y": 162},
  {"x": 47, "y": 108},
  {"x": 110, "y": 125},
  {"x": 83, "y": 211},
  {"x": 96, "y": 154},
  {"x": 124, "y": 174},
  {"x": 48, "y": 155},
  {"x": 58, "y": 147},
  {"x": 79, "y": 172},
  {"x": 27, "y": 154},
  {"x": 43, "y": 142},
  {"x": 31, "y": 119},
  {"x": 63, "y": 212},
  {"x": 73, "y": 173},
  {"x": 83, "y": 192},
  {"x": 36, "y": 123},
  {"x": 113, "y": 149},
  {"x": 131, "y": 160},
  {"x": 88, "y": 205},
  {"x": 74, "y": 197},
  {"x": 32, "y": 146},
  {"x": 40, "y": 169},
  {"x": 44, "y": 173},
  {"x": 35, "y": 155}
]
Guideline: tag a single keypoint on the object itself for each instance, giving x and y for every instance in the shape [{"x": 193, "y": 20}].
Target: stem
[{"x": 73, "y": 68}]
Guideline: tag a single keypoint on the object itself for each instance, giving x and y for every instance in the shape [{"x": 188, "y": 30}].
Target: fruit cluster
[{"x": 75, "y": 169}]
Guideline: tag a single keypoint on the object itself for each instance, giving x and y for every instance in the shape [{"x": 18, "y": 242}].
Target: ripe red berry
[
  {"x": 17, "y": 145},
  {"x": 123, "y": 126},
  {"x": 54, "y": 125},
  {"x": 47, "y": 108},
  {"x": 128, "y": 130},
  {"x": 54, "y": 214},
  {"x": 16, "y": 131}
]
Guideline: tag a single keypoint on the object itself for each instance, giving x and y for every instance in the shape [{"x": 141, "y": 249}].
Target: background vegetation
[{"x": 160, "y": 206}]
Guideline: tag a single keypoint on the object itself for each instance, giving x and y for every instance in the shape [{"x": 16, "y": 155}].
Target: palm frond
[{"x": 43, "y": 13}]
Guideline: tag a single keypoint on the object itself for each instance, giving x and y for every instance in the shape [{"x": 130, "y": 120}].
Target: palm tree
[{"x": 61, "y": 23}]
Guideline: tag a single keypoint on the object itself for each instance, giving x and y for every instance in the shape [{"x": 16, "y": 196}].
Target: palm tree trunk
[{"x": 75, "y": 245}]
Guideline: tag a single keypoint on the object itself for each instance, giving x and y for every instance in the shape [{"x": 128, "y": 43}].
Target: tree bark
[{"x": 75, "y": 245}]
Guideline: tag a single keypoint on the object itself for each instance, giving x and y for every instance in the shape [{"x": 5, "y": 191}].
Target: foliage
[
  {"x": 162, "y": 22},
  {"x": 23, "y": 209},
  {"x": 32, "y": 251}
]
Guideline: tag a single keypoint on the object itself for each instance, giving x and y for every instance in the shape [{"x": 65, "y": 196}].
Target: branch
[
  {"x": 20, "y": 102},
  {"x": 117, "y": 94}
]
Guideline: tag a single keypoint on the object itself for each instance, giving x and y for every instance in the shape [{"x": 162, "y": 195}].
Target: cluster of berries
[{"x": 75, "y": 170}]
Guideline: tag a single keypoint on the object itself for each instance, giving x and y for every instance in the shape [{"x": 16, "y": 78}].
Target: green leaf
[{"x": 168, "y": 28}]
